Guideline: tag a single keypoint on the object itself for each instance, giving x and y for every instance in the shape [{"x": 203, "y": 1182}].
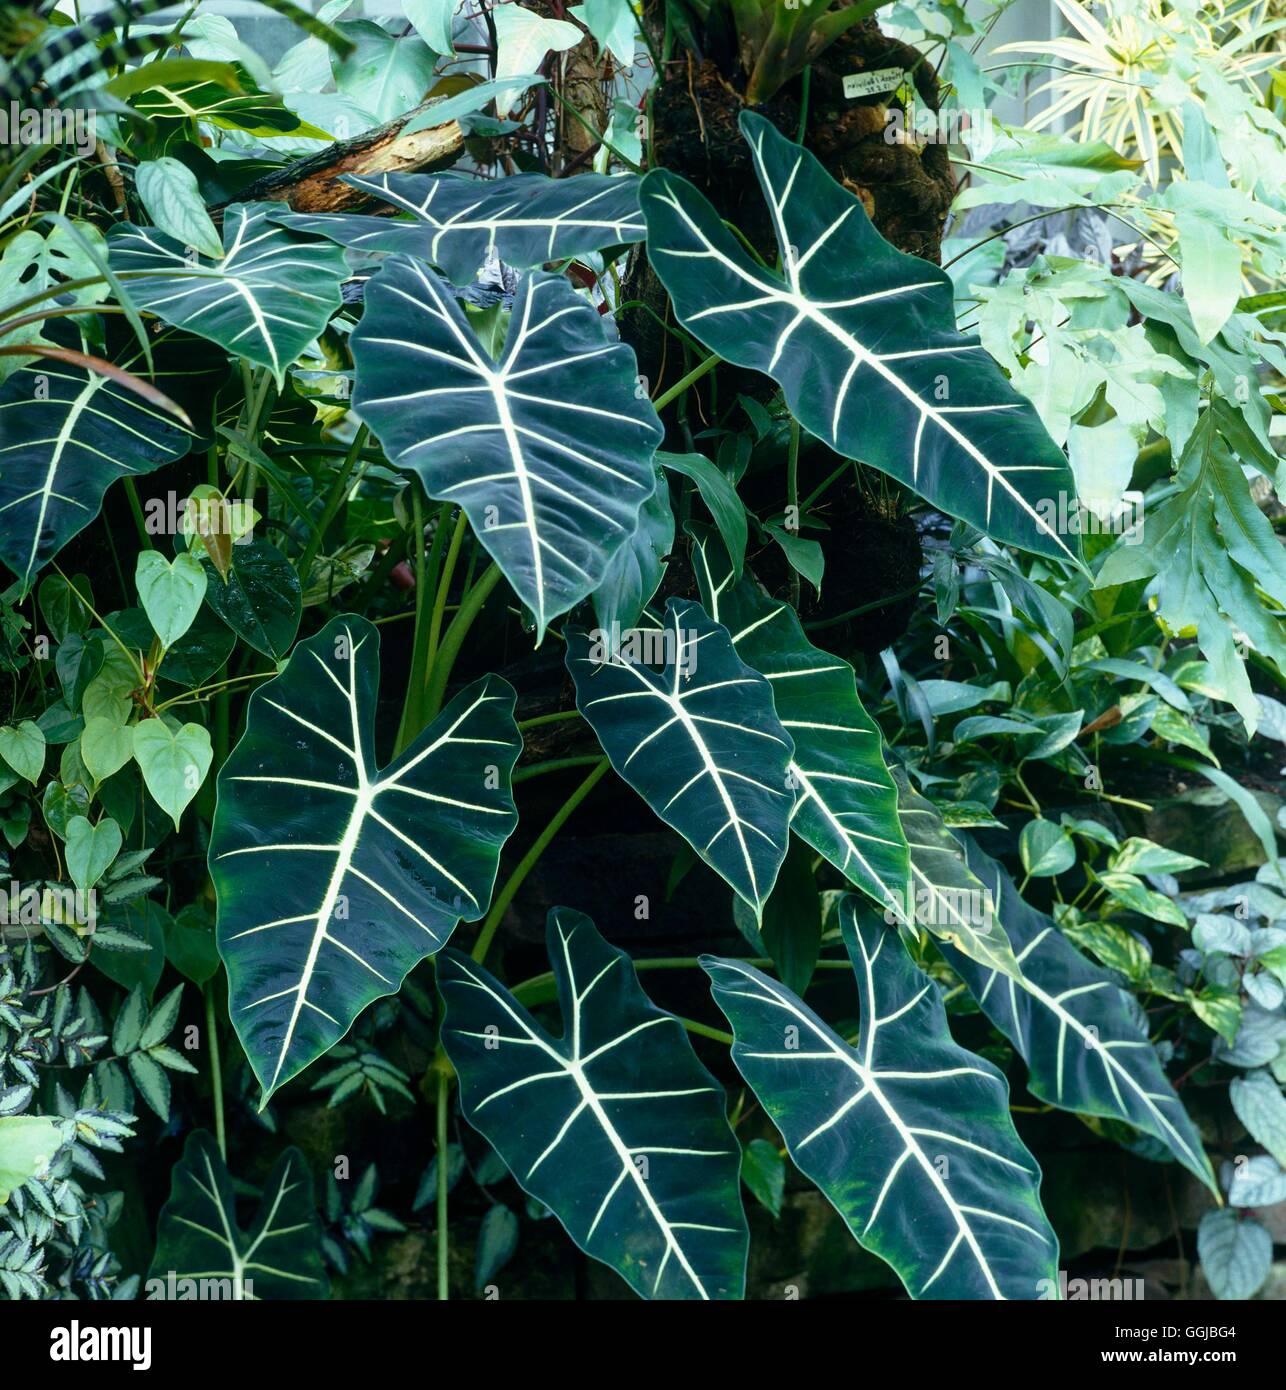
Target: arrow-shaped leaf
[
  {"x": 846, "y": 806},
  {"x": 941, "y": 894},
  {"x": 67, "y": 434},
  {"x": 615, "y": 1125},
  {"x": 268, "y": 297},
  {"x": 198, "y": 1237},
  {"x": 862, "y": 339},
  {"x": 548, "y": 450},
  {"x": 454, "y": 221},
  {"x": 906, "y": 1133},
  {"x": 697, "y": 738},
  {"x": 1074, "y": 1027},
  {"x": 334, "y": 877}
]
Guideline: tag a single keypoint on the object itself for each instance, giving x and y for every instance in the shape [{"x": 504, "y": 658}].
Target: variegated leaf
[
  {"x": 548, "y": 450},
  {"x": 862, "y": 339},
  {"x": 335, "y": 876},
  {"x": 846, "y": 806},
  {"x": 906, "y": 1133},
  {"x": 1076, "y": 1029},
  {"x": 693, "y": 731},
  {"x": 454, "y": 221},
  {"x": 266, "y": 299},
  {"x": 615, "y": 1125}
]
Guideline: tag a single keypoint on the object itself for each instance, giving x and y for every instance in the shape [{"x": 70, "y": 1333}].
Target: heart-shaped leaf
[
  {"x": 91, "y": 850},
  {"x": 1074, "y": 1027},
  {"x": 526, "y": 219},
  {"x": 27, "y": 1147},
  {"x": 846, "y": 806},
  {"x": 174, "y": 762},
  {"x": 170, "y": 592},
  {"x": 23, "y": 749},
  {"x": 335, "y": 877},
  {"x": 67, "y": 434},
  {"x": 269, "y": 295},
  {"x": 697, "y": 738},
  {"x": 548, "y": 449},
  {"x": 906, "y": 1133},
  {"x": 615, "y": 1125},
  {"x": 105, "y": 746},
  {"x": 862, "y": 339},
  {"x": 198, "y": 1237}
]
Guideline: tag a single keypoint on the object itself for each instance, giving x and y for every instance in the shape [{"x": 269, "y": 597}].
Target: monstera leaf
[
  {"x": 907, "y": 1134},
  {"x": 547, "y": 450},
  {"x": 846, "y": 806},
  {"x": 198, "y": 1238},
  {"x": 454, "y": 221},
  {"x": 697, "y": 738},
  {"x": 269, "y": 296},
  {"x": 335, "y": 877},
  {"x": 66, "y": 434},
  {"x": 615, "y": 1125},
  {"x": 1071, "y": 1023},
  {"x": 941, "y": 894},
  {"x": 862, "y": 339}
]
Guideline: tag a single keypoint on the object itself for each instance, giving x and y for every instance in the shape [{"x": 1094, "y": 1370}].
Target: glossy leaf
[
  {"x": 548, "y": 450},
  {"x": 697, "y": 738},
  {"x": 454, "y": 220},
  {"x": 335, "y": 877},
  {"x": 265, "y": 299},
  {"x": 198, "y": 1236},
  {"x": 615, "y": 1125},
  {"x": 846, "y": 806},
  {"x": 907, "y": 1134},
  {"x": 941, "y": 893},
  {"x": 67, "y": 434},
  {"x": 260, "y": 597},
  {"x": 862, "y": 339},
  {"x": 1074, "y": 1027}
]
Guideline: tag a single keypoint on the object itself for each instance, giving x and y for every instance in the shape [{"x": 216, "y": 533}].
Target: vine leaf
[
  {"x": 907, "y": 1134},
  {"x": 198, "y": 1237},
  {"x": 548, "y": 450},
  {"x": 335, "y": 877},
  {"x": 455, "y": 221},
  {"x": 846, "y": 806},
  {"x": 1075, "y": 1028},
  {"x": 266, "y": 299},
  {"x": 615, "y": 1125},
  {"x": 697, "y": 738},
  {"x": 875, "y": 369}
]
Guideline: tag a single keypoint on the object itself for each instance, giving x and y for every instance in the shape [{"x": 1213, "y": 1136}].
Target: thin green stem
[
  {"x": 338, "y": 492},
  {"x": 470, "y": 607},
  {"x": 136, "y": 510},
  {"x": 444, "y": 589},
  {"x": 684, "y": 382},
  {"x": 411, "y": 723},
  {"x": 216, "y": 1071},
  {"x": 528, "y": 861},
  {"x": 444, "y": 1282},
  {"x": 525, "y": 774}
]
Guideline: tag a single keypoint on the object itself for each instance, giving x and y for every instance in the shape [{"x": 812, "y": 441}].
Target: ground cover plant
[{"x": 642, "y": 651}]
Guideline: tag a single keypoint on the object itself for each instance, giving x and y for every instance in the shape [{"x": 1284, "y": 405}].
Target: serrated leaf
[
  {"x": 873, "y": 367},
  {"x": 1258, "y": 1103},
  {"x": 548, "y": 449},
  {"x": 152, "y": 1083},
  {"x": 907, "y": 1134},
  {"x": 698, "y": 739},
  {"x": 615, "y": 1125},
  {"x": 334, "y": 877}
]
